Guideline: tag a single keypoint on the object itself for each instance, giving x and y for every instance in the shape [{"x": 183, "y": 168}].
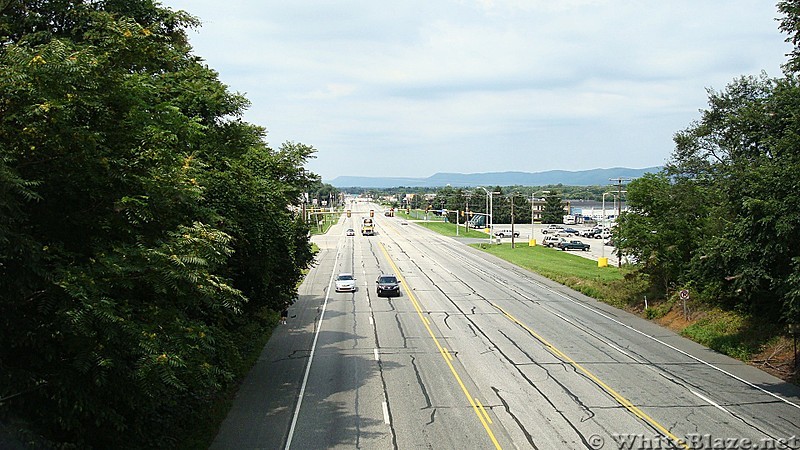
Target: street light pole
[{"x": 488, "y": 217}]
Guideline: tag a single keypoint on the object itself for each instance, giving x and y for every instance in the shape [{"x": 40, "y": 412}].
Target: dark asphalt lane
[{"x": 477, "y": 353}]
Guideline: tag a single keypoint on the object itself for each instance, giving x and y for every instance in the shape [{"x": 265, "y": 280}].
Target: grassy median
[
  {"x": 449, "y": 229},
  {"x": 618, "y": 287}
]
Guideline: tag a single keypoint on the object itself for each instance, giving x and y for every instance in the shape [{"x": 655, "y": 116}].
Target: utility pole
[
  {"x": 512, "y": 219},
  {"x": 466, "y": 214},
  {"x": 619, "y": 182}
]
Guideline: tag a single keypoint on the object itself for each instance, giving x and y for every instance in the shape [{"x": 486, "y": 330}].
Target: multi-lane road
[{"x": 477, "y": 353}]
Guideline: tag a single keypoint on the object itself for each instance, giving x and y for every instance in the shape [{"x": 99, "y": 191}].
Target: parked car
[
  {"x": 505, "y": 233},
  {"x": 351, "y": 232},
  {"x": 551, "y": 241},
  {"x": 589, "y": 233},
  {"x": 388, "y": 285},
  {"x": 552, "y": 228},
  {"x": 345, "y": 282},
  {"x": 573, "y": 245},
  {"x": 567, "y": 232}
]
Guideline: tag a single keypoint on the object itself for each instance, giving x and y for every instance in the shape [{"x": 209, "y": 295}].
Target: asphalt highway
[{"x": 477, "y": 353}]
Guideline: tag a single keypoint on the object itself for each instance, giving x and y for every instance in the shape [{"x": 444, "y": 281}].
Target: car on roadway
[
  {"x": 351, "y": 232},
  {"x": 388, "y": 286},
  {"x": 345, "y": 282},
  {"x": 404, "y": 222}
]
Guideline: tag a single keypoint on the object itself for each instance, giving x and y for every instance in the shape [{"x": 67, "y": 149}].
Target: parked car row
[
  {"x": 597, "y": 233},
  {"x": 563, "y": 244}
]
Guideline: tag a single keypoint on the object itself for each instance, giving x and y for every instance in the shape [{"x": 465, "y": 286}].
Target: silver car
[{"x": 345, "y": 282}]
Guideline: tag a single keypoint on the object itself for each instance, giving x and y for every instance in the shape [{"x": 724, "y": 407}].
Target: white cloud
[{"x": 442, "y": 86}]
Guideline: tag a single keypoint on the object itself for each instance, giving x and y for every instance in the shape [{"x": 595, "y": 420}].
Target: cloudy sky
[{"x": 415, "y": 87}]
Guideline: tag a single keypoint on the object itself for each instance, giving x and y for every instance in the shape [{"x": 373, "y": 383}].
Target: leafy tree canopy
[{"x": 146, "y": 231}]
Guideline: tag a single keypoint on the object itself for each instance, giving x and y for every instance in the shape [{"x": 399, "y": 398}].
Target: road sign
[{"x": 684, "y": 294}]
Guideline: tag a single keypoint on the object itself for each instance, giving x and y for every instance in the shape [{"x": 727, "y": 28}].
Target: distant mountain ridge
[{"x": 591, "y": 177}]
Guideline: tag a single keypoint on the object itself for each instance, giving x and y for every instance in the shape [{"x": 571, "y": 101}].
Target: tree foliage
[
  {"x": 144, "y": 228},
  {"x": 722, "y": 216},
  {"x": 553, "y": 210}
]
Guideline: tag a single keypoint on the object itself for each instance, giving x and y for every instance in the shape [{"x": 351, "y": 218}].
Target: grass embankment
[
  {"x": 324, "y": 222},
  {"x": 618, "y": 287},
  {"x": 733, "y": 333},
  {"x": 449, "y": 229},
  {"x": 419, "y": 214}
]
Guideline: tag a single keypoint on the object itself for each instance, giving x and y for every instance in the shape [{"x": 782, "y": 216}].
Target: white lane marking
[
  {"x": 311, "y": 356},
  {"x": 642, "y": 333},
  {"x": 618, "y": 349},
  {"x": 371, "y": 322},
  {"x": 709, "y": 401},
  {"x": 377, "y": 357},
  {"x": 562, "y": 317},
  {"x": 385, "y": 413}
]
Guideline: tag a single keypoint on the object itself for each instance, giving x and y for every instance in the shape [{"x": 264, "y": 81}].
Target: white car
[
  {"x": 505, "y": 233},
  {"x": 552, "y": 228},
  {"x": 551, "y": 241},
  {"x": 345, "y": 282}
]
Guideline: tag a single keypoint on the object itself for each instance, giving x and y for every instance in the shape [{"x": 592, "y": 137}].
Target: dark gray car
[{"x": 388, "y": 286}]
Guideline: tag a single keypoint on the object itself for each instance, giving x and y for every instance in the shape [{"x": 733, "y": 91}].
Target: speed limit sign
[{"x": 685, "y": 294}]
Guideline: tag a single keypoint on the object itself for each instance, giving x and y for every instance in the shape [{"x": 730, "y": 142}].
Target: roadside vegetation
[
  {"x": 721, "y": 220},
  {"x": 147, "y": 233},
  {"x": 618, "y": 287},
  {"x": 323, "y": 222},
  {"x": 449, "y": 229}
]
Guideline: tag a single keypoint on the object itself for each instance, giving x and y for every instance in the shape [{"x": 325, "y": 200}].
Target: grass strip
[
  {"x": 449, "y": 229},
  {"x": 612, "y": 285}
]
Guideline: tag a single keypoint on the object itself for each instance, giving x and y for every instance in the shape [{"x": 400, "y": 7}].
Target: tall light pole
[
  {"x": 513, "y": 194},
  {"x": 604, "y": 221},
  {"x": 489, "y": 210}
]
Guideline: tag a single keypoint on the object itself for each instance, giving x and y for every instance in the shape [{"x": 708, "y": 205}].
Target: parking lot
[{"x": 596, "y": 250}]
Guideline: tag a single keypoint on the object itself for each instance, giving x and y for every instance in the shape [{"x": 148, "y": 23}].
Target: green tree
[
  {"x": 724, "y": 210},
  {"x": 553, "y": 210},
  {"x": 145, "y": 229},
  {"x": 664, "y": 224}
]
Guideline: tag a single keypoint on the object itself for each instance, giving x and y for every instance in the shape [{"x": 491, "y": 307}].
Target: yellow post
[
  {"x": 602, "y": 262},
  {"x": 532, "y": 243}
]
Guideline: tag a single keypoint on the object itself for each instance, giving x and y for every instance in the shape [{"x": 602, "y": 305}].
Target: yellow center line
[
  {"x": 489, "y": 419},
  {"x": 619, "y": 398},
  {"x": 482, "y": 416}
]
